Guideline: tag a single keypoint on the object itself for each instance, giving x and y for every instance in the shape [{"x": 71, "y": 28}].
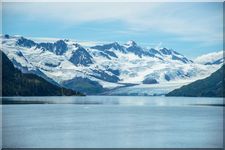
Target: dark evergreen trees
[{"x": 16, "y": 83}]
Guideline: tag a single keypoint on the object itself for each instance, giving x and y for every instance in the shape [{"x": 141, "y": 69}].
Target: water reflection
[{"x": 117, "y": 100}]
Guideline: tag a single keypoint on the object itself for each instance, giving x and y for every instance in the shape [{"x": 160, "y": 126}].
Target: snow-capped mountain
[
  {"x": 211, "y": 58},
  {"x": 103, "y": 68}
]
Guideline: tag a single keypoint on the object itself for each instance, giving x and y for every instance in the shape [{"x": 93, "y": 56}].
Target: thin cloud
[{"x": 186, "y": 21}]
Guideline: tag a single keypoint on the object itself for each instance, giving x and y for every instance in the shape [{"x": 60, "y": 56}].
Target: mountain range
[{"x": 109, "y": 69}]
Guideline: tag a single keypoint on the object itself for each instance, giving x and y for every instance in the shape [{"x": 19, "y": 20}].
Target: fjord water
[{"x": 113, "y": 121}]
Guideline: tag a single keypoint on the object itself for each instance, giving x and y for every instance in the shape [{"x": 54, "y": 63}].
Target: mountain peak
[
  {"x": 25, "y": 42},
  {"x": 115, "y": 43},
  {"x": 131, "y": 43},
  {"x": 167, "y": 51},
  {"x": 77, "y": 45}
]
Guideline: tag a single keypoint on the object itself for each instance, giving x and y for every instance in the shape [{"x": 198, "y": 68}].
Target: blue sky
[{"x": 192, "y": 29}]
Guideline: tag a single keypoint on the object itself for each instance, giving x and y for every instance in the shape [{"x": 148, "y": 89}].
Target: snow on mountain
[
  {"x": 79, "y": 56},
  {"x": 103, "y": 68},
  {"x": 211, "y": 58}
]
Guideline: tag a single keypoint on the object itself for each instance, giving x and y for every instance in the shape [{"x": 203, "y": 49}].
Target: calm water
[{"x": 113, "y": 121}]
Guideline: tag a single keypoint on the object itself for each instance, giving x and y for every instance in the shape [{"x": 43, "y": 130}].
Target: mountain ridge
[{"x": 107, "y": 66}]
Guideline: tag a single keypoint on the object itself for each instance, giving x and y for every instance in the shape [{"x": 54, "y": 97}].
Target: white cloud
[
  {"x": 187, "y": 21},
  {"x": 211, "y": 57}
]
